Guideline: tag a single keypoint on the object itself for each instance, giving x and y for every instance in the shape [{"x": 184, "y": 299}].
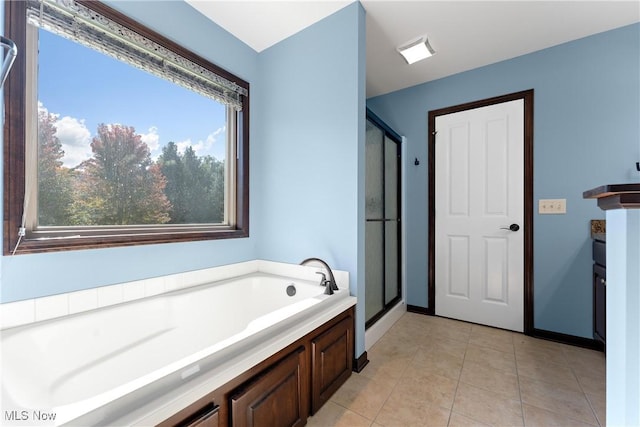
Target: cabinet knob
[{"x": 603, "y": 281}]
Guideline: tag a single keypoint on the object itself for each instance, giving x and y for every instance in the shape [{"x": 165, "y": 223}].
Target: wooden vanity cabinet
[
  {"x": 210, "y": 419},
  {"x": 208, "y": 416},
  {"x": 277, "y": 397},
  {"x": 286, "y": 388},
  {"x": 331, "y": 361}
]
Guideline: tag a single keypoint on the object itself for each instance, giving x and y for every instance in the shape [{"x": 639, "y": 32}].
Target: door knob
[{"x": 512, "y": 227}]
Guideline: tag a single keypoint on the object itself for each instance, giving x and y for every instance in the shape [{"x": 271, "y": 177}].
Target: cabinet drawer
[
  {"x": 600, "y": 252},
  {"x": 209, "y": 419},
  {"x": 204, "y": 417}
]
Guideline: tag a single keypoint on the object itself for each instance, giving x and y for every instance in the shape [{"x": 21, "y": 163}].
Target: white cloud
[
  {"x": 75, "y": 139},
  {"x": 151, "y": 138},
  {"x": 198, "y": 147},
  {"x": 212, "y": 138},
  {"x": 43, "y": 109},
  {"x": 182, "y": 145},
  {"x": 202, "y": 147}
]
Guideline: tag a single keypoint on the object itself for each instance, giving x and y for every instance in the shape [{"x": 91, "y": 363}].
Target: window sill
[{"x": 35, "y": 245}]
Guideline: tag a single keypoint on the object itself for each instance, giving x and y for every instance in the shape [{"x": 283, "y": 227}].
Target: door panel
[
  {"x": 479, "y": 179},
  {"x": 374, "y": 273},
  {"x": 458, "y": 271},
  {"x": 495, "y": 282},
  {"x": 457, "y": 158},
  {"x": 391, "y": 177},
  {"x": 391, "y": 272},
  {"x": 382, "y": 215},
  {"x": 497, "y": 157},
  {"x": 374, "y": 177}
]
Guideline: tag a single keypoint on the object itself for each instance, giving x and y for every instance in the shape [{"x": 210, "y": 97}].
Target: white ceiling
[{"x": 464, "y": 34}]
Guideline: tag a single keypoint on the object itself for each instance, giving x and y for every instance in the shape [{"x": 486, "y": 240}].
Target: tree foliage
[
  {"x": 54, "y": 181},
  {"x": 195, "y": 186},
  {"x": 122, "y": 185}
]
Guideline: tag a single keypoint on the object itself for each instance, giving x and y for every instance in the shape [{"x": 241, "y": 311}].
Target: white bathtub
[{"x": 131, "y": 362}]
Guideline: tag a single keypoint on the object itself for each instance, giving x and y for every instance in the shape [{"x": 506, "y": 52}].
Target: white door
[{"x": 479, "y": 179}]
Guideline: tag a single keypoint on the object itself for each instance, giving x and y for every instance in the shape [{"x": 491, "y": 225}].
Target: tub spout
[{"x": 330, "y": 283}]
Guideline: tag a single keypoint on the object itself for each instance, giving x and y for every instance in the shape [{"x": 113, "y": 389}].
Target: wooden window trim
[{"x": 14, "y": 151}]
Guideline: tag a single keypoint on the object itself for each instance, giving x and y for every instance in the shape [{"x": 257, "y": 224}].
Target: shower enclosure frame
[{"x": 389, "y": 133}]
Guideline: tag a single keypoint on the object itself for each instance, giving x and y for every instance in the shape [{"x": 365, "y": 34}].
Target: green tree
[
  {"x": 195, "y": 182},
  {"x": 54, "y": 180},
  {"x": 214, "y": 172},
  {"x": 171, "y": 166},
  {"x": 120, "y": 184},
  {"x": 195, "y": 185}
]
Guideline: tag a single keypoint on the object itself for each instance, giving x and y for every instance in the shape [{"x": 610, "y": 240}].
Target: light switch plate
[{"x": 552, "y": 206}]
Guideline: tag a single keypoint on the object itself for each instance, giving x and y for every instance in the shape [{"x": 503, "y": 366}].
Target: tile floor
[{"x": 431, "y": 371}]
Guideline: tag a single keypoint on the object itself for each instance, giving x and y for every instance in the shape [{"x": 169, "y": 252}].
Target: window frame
[{"x": 14, "y": 151}]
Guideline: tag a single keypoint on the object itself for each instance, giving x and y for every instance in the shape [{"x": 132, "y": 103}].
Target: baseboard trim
[
  {"x": 420, "y": 310},
  {"x": 536, "y": 333},
  {"x": 374, "y": 332},
  {"x": 360, "y": 362},
  {"x": 568, "y": 339}
]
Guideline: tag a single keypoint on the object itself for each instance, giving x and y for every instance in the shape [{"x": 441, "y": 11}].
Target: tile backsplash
[
  {"x": 45, "y": 308},
  {"x": 34, "y": 310}
]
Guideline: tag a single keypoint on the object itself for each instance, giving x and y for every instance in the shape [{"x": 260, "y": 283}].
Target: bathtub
[{"x": 140, "y": 361}]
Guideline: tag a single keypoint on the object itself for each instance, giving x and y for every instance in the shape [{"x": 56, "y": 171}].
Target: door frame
[{"x": 527, "y": 97}]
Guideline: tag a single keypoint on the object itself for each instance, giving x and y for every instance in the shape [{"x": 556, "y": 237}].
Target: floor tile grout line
[
  {"x": 351, "y": 410},
  {"x": 575, "y": 377},
  {"x": 515, "y": 358},
  {"x": 593, "y": 409},
  {"x": 455, "y": 393},
  {"x": 442, "y": 326},
  {"x": 393, "y": 389},
  {"x": 397, "y": 381},
  {"x": 558, "y": 413},
  {"x": 581, "y": 392}
]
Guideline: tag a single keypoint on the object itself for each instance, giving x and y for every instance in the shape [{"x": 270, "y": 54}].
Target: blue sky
[{"x": 84, "y": 88}]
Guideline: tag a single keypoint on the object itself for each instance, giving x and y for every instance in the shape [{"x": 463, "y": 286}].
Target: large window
[{"x": 115, "y": 135}]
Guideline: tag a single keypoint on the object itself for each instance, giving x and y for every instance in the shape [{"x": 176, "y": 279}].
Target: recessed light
[{"x": 416, "y": 50}]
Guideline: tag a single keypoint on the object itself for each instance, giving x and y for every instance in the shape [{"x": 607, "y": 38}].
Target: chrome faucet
[{"x": 330, "y": 283}]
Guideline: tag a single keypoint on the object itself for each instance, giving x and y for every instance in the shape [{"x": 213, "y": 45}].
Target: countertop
[{"x": 615, "y": 196}]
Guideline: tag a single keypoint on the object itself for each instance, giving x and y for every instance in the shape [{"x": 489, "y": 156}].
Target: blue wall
[
  {"x": 311, "y": 124},
  {"x": 29, "y": 276},
  {"x": 307, "y": 127},
  {"x": 586, "y": 133}
]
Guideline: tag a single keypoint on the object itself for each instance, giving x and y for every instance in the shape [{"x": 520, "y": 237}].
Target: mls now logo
[{"x": 16, "y": 415}]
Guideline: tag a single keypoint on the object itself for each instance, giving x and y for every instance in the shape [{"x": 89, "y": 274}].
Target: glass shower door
[{"x": 382, "y": 229}]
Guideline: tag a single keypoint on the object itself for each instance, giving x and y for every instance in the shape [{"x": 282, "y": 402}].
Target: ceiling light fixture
[{"x": 416, "y": 50}]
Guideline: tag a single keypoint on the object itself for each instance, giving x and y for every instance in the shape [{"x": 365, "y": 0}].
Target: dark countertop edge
[{"x": 610, "y": 190}]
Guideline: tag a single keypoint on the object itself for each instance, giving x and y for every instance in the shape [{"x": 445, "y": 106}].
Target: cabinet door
[
  {"x": 276, "y": 398},
  {"x": 599, "y": 303},
  {"x": 331, "y": 361}
]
